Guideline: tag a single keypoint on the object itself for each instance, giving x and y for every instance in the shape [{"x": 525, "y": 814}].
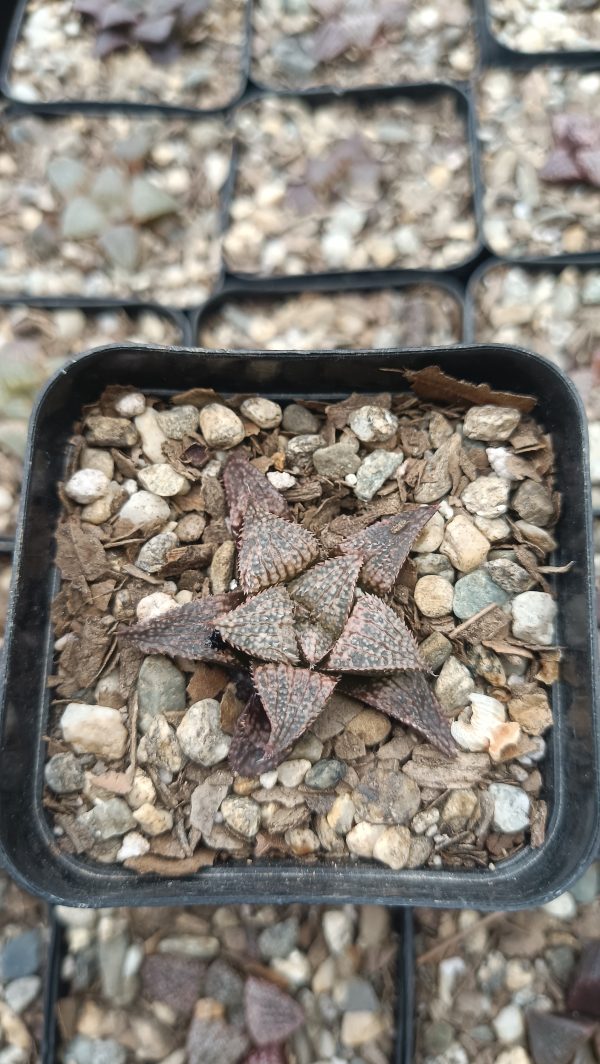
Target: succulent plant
[
  {"x": 353, "y": 24},
  {"x": 303, "y": 625},
  {"x": 576, "y": 152},
  {"x": 158, "y": 26}
]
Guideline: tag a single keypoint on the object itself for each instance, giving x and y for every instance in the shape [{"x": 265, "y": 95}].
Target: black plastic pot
[
  {"x": 572, "y": 771},
  {"x": 13, "y": 18},
  {"x": 495, "y": 53},
  {"x": 281, "y": 288},
  {"x": 97, "y": 306},
  {"x": 403, "y": 926},
  {"x": 362, "y": 98}
]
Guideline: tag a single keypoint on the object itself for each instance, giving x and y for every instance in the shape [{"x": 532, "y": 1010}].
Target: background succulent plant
[{"x": 158, "y": 26}]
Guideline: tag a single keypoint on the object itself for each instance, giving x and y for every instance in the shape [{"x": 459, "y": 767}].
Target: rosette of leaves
[
  {"x": 158, "y": 26},
  {"x": 352, "y": 25},
  {"x": 576, "y": 152},
  {"x": 303, "y": 624}
]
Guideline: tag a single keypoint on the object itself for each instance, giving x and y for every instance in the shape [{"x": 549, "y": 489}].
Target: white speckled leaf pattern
[
  {"x": 375, "y": 639},
  {"x": 292, "y": 698},
  {"x": 384, "y": 547},
  {"x": 323, "y": 597},
  {"x": 262, "y": 627},
  {"x": 407, "y": 697},
  {"x": 273, "y": 550}
]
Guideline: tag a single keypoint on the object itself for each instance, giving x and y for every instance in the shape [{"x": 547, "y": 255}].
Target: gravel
[{"x": 549, "y": 26}]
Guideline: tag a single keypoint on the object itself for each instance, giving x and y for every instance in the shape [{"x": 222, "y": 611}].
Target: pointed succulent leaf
[
  {"x": 385, "y": 545},
  {"x": 273, "y": 550},
  {"x": 588, "y": 161},
  {"x": 293, "y": 699},
  {"x": 323, "y": 597},
  {"x": 271, "y": 1014},
  {"x": 375, "y": 639},
  {"x": 154, "y": 31},
  {"x": 272, "y": 1054},
  {"x": 187, "y": 630},
  {"x": 247, "y": 753},
  {"x": 117, "y": 14},
  {"x": 245, "y": 484},
  {"x": 560, "y": 166},
  {"x": 110, "y": 41},
  {"x": 262, "y": 627},
  {"x": 555, "y": 1039},
  {"x": 407, "y": 697}
]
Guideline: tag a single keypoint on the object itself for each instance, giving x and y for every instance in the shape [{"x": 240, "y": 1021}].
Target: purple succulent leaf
[
  {"x": 271, "y": 1014},
  {"x": 330, "y": 41},
  {"x": 560, "y": 166},
  {"x": 117, "y": 14},
  {"x": 91, "y": 8},
  {"x": 110, "y": 41},
  {"x": 191, "y": 10},
  {"x": 164, "y": 54},
  {"x": 361, "y": 30},
  {"x": 589, "y": 166},
  {"x": 154, "y": 31}
]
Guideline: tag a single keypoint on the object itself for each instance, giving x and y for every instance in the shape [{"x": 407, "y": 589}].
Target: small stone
[
  {"x": 386, "y": 797},
  {"x": 263, "y": 412},
  {"x": 360, "y": 1027},
  {"x": 362, "y": 838},
  {"x": 372, "y": 424},
  {"x": 122, "y": 246},
  {"x": 20, "y": 956},
  {"x": 392, "y": 847},
  {"x": 154, "y": 605},
  {"x": 511, "y": 577},
  {"x": 22, "y": 992},
  {"x": 160, "y": 689},
  {"x": 95, "y": 458},
  {"x": 148, "y": 202},
  {"x": 474, "y": 592},
  {"x": 66, "y": 175},
  {"x": 153, "y": 821},
  {"x": 144, "y": 510},
  {"x": 298, "y": 419},
  {"x": 511, "y": 808},
  {"x": 370, "y": 726},
  {"x": 162, "y": 480},
  {"x": 278, "y": 940},
  {"x": 132, "y": 404},
  {"x": 224, "y": 984},
  {"x": 94, "y": 730},
  {"x": 190, "y": 528},
  {"x": 64, "y": 774},
  {"x": 282, "y": 481},
  {"x": 220, "y": 426},
  {"x": 487, "y": 497},
  {"x": 356, "y": 995},
  {"x": 495, "y": 530},
  {"x": 431, "y": 536},
  {"x": 588, "y": 886},
  {"x": 540, "y": 537},
  {"x": 108, "y": 819},
  {"x": 459, "y": 808},
  {"x": 178, "y": 422},
  {"x": 373, "y": 472},
  {"x": 433, "y": 596},
  {"x": 203, "y": 947},
  {"x": 336, "y": 462},
  {"x": 435, "y": 650},
  {"x": 303, "y": 446},
  {"x": 222, "y": 568},
  {"x": 463, "y": 543},
  {"x": 309, "y": 747},
  {"x": 434, "y": 565},
  {"x": 338, "y": 930},
  {"x": 84, "y": 1050},
  {"x": 341, "y": 815},
  {"x": 420, "y": 851},
  {"x": 534, "y": 613},
  {"x": 292, "y": 773},
  {"x": 295, "y": 969},
  {"x": 302, "y": 841},
  {"x": 564, "y": 907},
  {"x": 509, "y": 1024},
  {"x": 533, "y": 503},
  {"x": 491, "y": 423},
  {"x": 454, "y": 685},
  {"x": 242, "y": 815},
  {"x": 200, "y": 734},
  {"x": 438, "y": 1037},
  {"x": 110, "y": 432},
  {"x": 153, "y": 554},
  {"x": 133, "y": 845},
  {"x": 87, "y": 485},
  {"x": 151, "y": 435},
  {"x": 325, "y": 775}
]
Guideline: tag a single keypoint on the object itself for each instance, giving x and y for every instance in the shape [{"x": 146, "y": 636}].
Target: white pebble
[
  {"x": 143, "y": 509},
  {"x": 564, "y": 907},
  {"x": 511, "y": 808},
  {"x": 534, "y": 613},
  {"x": 263, "y": 412},
  {"x": 153, "y": 605},
  {"x": 87, "y": 485},
  {"x": 133, "y": 845},
  {"x": 130, "y": 405},
  {"x": 281, "y": 481},
  {"x": 94, "y": 730},
  {"x": 161, "y": 479}
]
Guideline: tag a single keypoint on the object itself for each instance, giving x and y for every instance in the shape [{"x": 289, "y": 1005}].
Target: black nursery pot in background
[{"x": 572, "y": 769}]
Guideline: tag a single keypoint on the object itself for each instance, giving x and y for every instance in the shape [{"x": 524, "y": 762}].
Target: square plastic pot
[{"x": 571, "y": 771}]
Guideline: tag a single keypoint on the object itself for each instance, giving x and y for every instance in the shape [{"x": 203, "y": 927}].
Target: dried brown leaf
[{"x": 432, "y": 383}]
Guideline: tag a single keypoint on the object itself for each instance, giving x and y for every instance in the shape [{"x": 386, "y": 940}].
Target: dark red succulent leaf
[
  {"x": 271, "y": 1014},
  {"x": 560, "y": 166},
  {"x": 576, "y": 130},
  {"x": 407, "y": 697},
  {"x": 272, "y": 1054},
  {"x": 584, "y": 992},
  {"x": 292, "y": 698},
  {"x": 272, "y": 550},
  {"x": 174, "y": 980},
  {"x": 247, "y": 754},
  {"x": 244, "y": 485},
  {"x": 186, "y": 631},
  {"x": 588, "y": 161},
  {"x": 215, "y": 1042},
  {"x": 323, "y": 598},
  {"x": 385, "y": 546},
  {"x": 375, "y": 639},
  {"x": 262, "y": 627},
  {"x": 576, "y": 154},
  {"x": 555, "y": 1039}
]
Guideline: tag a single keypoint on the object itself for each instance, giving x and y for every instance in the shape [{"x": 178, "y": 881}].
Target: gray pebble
[
  {"x": 533, "y": 503},
  {"x": 474, "y": 592},
  {"x": 325, "y": 775},
  {"x": 376, "y": 468},
  {"x": 160, "y": 688},
  {"x": 109, "y": 819},
  {"x": 386, "y": 797},
  {"x": 298, "y": 419},
  {"x": 153, "y": 554},
  {"x": 511, "y": 577},
  {"x": 21, "y": 993},
  {"x": 64, "y": 774},
  {"x": 83, "y": 1050},
  {"x": 336, "y": 461},
  {"x": 20, "y": 956},
  {"x": 534, "y": 613},
  {"x": 242, "y": 815},
  {"x": 511, "y": 808},
  {"x": 178, "y": 422},
  {"x": 200, "y": 734},
  {"x": 278, "y": 940}
]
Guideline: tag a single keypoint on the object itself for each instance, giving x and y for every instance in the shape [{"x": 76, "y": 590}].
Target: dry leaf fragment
[
  {"x": 407, "y": 697},
  {"x": 375, "y": 639},
  {"x": 263, "y": 626},
  {"x": 432, "y": 383},
  {"x": 273, "y": 550},
  {"x": 151, "y": 864}
]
